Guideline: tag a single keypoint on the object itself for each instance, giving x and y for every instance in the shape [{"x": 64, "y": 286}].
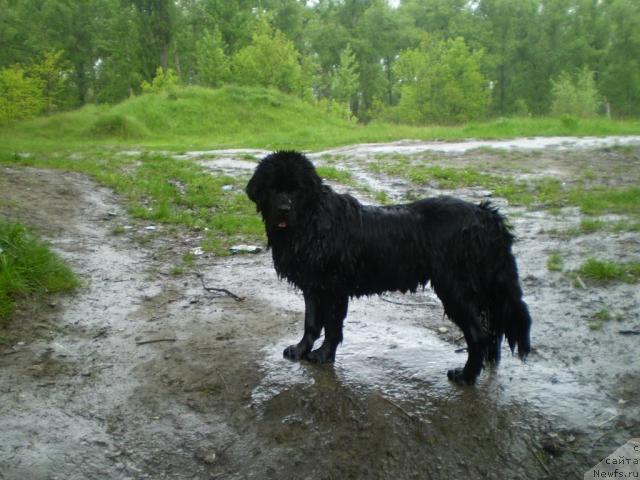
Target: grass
[
  {"x": 602, "y": 316},
  {"x": 28, "y": 268},
  {"x": 334, "y": 174},
  {"x": 595, "y": 225},
  {"x": 163, "y": 190},
  {"x": 555, "y": 262},
  {"x": 604, "y": 271},
  {"x": 545, "y": 192},
  {"x": 232, "y": 116}
]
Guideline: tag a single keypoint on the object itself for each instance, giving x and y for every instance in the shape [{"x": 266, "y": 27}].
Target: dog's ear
[{"x": 254, "y": 189}]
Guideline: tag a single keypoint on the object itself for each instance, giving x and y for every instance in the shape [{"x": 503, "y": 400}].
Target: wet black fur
[{"x": 333, "y": 248}]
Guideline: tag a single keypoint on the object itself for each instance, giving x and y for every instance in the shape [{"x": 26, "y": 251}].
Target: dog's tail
[{"x": 508, "y": 314}]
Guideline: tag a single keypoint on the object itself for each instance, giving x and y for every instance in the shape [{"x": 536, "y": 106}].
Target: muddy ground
[{"x": 146, "y": 375}]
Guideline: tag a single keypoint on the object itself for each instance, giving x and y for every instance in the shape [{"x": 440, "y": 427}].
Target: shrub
[
  {"x": 575, "y": 95},
  {"x": 163, "y": 81},
  {"x": 20, "y": 96},
  {"x": 117, "y": 126}
]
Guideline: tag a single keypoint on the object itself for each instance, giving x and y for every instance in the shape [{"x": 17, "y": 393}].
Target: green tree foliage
[
  {"x": 118, "y": 67},
  {"x": 163, "y": 81},
  {"x": 441, "y": 81},
  {"x": 51, "y": 72},
  {"x": 213, "y": 63},
  {"x": 344, "y": 79},
  {"x": 109, "y": 47},
  {"x": 38, "y": 88},
  {"x": 156, "y": 22},
  {"x": 620, "y": 66},
  {"x": 21, "y": 96},
  {"x": 575, "y": 95},
  {"x": 271, "y": 60}
]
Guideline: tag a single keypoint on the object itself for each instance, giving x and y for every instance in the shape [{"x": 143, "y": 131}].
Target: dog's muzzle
[{"x": 284, "y": 208}]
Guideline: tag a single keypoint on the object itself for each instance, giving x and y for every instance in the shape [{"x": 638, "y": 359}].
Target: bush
[
  {"x": 165, "y": 80},
  {"x": 441, "y": 82},
  {"x": 117, "y": 126},
  {"x": 271, "y": 60},
  {"x": 20, "y": 96},
  {"x": 575, "y": 95}
]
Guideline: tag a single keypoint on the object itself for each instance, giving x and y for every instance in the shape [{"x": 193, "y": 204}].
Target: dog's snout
[{"x": 283, "y": 204}]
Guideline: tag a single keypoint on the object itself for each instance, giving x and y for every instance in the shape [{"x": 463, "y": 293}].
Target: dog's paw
[
  {"x": 321, "y": 356},
  {"x": 457, "y": 375},
  {"x": 293, "y": 353}
]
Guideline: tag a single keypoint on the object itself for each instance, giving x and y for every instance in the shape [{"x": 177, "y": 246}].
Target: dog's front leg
[
  {"x": 313, "y": 323},
  {"x": 333, "y": 310}
]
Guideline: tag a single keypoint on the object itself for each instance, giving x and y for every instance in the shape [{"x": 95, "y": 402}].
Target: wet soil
[{"x": 142, "y": 374}]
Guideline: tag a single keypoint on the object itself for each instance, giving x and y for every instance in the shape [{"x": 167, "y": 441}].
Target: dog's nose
[{"x": 284, "y": 206}]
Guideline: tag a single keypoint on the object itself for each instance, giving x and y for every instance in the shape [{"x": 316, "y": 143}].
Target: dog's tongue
[{"x": 282, "y": 224}]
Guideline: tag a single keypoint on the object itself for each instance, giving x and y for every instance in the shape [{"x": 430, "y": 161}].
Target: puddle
[
  {"x": 228, "y": 164},
  {"x": 216, "y": 399},
  {"x": 408, "y": 364},
  {"x": 535, "y": 143}
]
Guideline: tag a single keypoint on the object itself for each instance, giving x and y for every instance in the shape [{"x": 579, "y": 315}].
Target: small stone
[{"x": 245, "y": 249}]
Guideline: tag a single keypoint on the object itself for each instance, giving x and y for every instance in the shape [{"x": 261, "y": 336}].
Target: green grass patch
[
  {"x": 605, "y": 271},
  {"x": 602, "y": 316},
  {"x": 600, "y": 199},
  {"x": 555, "y": 262},
  {"x": 28, "y": 267},
  {"x": 233, "y": 116},
  {"x": 381, "y": 197},
  {"x": 118, "y": 126},
  {"x": 334, "y": 174},
  {"x": 163, "y": 190},
  {"x": 544, "y": 192},
  {"x": 595, "y": 225}
]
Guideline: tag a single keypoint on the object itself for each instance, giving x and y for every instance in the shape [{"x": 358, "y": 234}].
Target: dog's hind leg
[
  {"x": 333, "y": 311},
  {"x": 313, "y": 323},
  {"x": 468, "y": 318}
]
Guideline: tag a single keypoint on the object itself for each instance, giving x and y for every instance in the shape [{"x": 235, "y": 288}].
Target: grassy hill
[
  {"x": 196, "y": 118},
  {"x": 191, "y": 117}
]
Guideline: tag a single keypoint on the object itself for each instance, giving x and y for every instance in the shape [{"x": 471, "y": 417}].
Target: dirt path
[{"x": 211, "y": 397}]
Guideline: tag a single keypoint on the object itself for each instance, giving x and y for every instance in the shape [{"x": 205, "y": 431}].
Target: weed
[
  {"x": 602, "y": 316},
  {"x": 607, "y": 271},
  {"x": 177, "y": 270},
  {"x": 381, "y": 197},
  {"x": 118, "y": 230},
  {"x": 28, "y": 267},
  {"x": 555, "y": 262}
]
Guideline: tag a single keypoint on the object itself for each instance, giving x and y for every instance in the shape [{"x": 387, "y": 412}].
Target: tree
[
  {"x": 344, "y": 80},
  {"x": 156, "y": 22},
  {"x": 213, "y": 64},
  {"x": 119, "y": 68},
  {"x": 20, "y": 96},
  {"x": 441, "y": 82},
  {"x": 51, "y": 72},
  {"x": 620, "y": 67},
  {"x": 271, "y": 60},
  {"x": 577, "y": 96}
]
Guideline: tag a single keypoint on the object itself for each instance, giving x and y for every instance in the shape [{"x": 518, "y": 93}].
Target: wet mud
[{"x": 145, "y": 375}]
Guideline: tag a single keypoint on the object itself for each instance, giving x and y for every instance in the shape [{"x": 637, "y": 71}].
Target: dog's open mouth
[{"x": 283, "y": 224}]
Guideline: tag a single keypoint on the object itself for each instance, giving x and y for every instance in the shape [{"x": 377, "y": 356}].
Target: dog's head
[{"x": 284, "y": 188}]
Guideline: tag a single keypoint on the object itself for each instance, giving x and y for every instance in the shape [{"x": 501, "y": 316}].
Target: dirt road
[{"x": 145, "y": 375}]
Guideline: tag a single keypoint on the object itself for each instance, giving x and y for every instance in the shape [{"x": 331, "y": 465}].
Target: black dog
[{"x": 333, "y": 248}]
